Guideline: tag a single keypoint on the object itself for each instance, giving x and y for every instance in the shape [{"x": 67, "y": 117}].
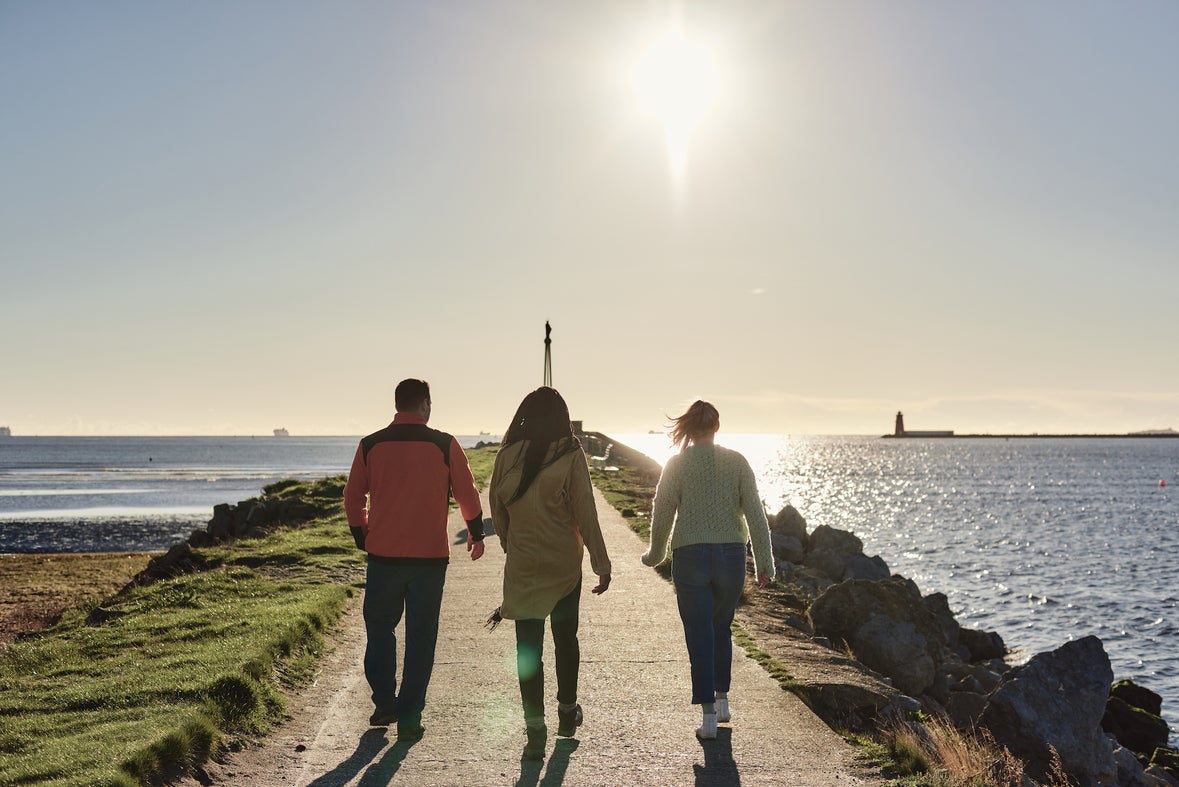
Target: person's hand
[
  {"x": 475, "y": 548},
  {"x": 603, "y": 584},
  {"x": 763, "y": 579}
]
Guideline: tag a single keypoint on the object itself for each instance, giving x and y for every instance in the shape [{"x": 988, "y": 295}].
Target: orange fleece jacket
[{"x": 398, "y": 491}]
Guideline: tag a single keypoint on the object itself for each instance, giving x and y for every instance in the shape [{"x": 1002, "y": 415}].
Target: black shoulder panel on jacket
[{"x": 411, "y": 433}]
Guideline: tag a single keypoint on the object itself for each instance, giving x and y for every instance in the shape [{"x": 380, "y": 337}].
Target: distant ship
[
  {"x": 280, "y": 432},
  {"x": 5, "y": 431}
]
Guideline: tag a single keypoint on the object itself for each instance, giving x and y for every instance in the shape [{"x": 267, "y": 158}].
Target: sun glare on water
[{"x": 676, "y": 82}]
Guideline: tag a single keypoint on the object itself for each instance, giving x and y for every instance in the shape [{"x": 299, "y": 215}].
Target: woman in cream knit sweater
[{"x": 707, "y": 505}]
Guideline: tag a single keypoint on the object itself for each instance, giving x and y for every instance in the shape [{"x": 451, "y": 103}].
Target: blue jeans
[
  {"x": 708, "y": 581},
  {"x": 530, "y": 656},
  {"x": 416, "y": 591}
]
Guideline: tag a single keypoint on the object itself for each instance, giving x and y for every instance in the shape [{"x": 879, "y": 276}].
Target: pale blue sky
[{"x": 224, "y": 217}]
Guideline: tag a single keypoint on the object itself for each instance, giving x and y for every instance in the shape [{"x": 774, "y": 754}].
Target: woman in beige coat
[{"x": 542, "y": 506}]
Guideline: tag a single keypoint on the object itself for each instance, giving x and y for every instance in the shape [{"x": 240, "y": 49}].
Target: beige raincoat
[{"x": 545, "y": 532}]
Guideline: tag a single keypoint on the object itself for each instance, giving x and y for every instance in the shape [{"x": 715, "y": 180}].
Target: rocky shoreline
[
  {"x": 867, "y": 650},
  {"x": 1061, "y": 709}
]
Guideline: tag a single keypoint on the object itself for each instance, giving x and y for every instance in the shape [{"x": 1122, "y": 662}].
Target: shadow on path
[
  {"x": 719, "y": 767},
  {"x": 367, "y": 749},
  {"x": 554, "y": 774},
  {"x": 381, "y": 773}
]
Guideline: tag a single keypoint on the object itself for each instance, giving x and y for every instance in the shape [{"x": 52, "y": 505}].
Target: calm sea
[
  {"x": 1041, "y": 539},
  {"x": 114, "y": 494}
]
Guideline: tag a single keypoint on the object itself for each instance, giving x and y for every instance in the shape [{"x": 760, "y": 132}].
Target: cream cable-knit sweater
[{"x": 704, "y": 491}]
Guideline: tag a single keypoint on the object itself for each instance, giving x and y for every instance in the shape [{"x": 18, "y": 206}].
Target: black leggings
[{"x": 530, "y": 652}]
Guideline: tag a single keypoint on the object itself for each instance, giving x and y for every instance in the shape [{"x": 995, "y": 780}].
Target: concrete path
[{"x": 634, "y": 685}]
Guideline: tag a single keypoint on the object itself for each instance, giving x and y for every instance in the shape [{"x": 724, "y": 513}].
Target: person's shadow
[
  {"x": 367, "y": 748},
  {"x": 381, "y": 773},
  {"x": 719, "y": 767},
  {"x": 554, "y": 774}
]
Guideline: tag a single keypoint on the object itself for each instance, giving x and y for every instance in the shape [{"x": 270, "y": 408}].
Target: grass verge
[{"x": 171, "y": 670}]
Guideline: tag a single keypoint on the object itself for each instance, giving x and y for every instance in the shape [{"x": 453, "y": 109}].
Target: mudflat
[{"x": 37, "y": 589}]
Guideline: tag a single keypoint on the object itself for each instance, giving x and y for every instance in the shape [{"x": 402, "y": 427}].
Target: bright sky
[{"x": 223, "y": 217}]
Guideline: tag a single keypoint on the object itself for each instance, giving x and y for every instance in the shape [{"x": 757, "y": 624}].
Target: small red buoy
[{"x": 1163, "y": 482}]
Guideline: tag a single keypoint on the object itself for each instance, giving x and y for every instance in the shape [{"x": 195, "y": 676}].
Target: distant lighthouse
[{"x": 900, "y": 430}]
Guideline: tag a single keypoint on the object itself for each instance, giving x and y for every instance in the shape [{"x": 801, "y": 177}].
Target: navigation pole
[{"x": 548, "y": 355}]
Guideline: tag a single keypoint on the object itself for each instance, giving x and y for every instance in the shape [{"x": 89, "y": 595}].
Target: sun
[{"x": 676, "y": 82}]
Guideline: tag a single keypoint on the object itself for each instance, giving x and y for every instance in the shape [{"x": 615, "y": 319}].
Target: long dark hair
[{"x": 543, "y": 420}]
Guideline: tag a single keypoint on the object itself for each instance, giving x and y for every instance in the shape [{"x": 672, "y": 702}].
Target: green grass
[
  {"x": 182, "y": 665},
  {"x": 631, "y": 492}
]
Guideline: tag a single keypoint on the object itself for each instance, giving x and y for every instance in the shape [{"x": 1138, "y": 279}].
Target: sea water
[
  {"x": 115, "y": 494},
  {"x": 1043, "y": 540}
]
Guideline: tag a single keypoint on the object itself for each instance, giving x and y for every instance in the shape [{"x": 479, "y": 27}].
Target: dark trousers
[
  {"x": 708, "y": 580},
  {"x": 530, "y": 656},
  {"x": 390, "y": 591}
]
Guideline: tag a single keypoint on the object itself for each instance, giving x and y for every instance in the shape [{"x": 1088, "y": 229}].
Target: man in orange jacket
[{"x": 397, "y": 500}]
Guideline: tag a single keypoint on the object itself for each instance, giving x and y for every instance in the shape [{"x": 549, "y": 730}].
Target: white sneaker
[
  {"x": 707, "y": 730},
  {"x": 722, "y": 710}
]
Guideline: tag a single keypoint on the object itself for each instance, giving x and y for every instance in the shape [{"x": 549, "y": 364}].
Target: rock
[
  {"x": 1056, "y": 702},
  {"x": 1137, "y": 696},
  {"x": 827, "y": 562},
  {"x": 888, "y": 628},
  {"x": 1167, "y": 759},
  {"x": 810, "y": 581},
  {"x": 787, "y": 547},
  {"x": 221, "y": 525},
  {"x": 864, "y": 567},
  {"x": 839, "y": 541},
  {"x": 1130, "y": 770},
  {"x": 939, "y": 606},
  {"x": 789, "y": 522},
  {"x": 200, "y": 538},
  {"x": 964, "y": 709},
  {"x": 1161, "y": 777},
  {"x": 983, "y": 645},
  {"x": 1136, "y": 729},
  {"x": 257, "y": 513},
  {"x": 1157, "y": 777}
]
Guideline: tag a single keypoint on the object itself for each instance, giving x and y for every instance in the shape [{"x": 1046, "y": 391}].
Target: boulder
[
  {"x": 221, "y": 525},
  {"x": 1137, "y": 696},
  {"x": 809, "y": 581},
  {"x": 827, "y": 562},
  {"x": 839, "y": 541},
  {"x": 1162, "y": 777},
  {"x": 787, "y": 547},
  {"x": 1138, "y": 730},
  {"x": 200, "y": 538},
  {"x": 939, "y": 606},
  {"x": 1130, "y": 770},
  {"x": 1167, "y": 759},
  {"x": 982, "y": 645},
  {"x": 964, "y": 708},
  {"x": 864, "y": 567},
  {"x": 887, "y": 627},
  {"x": 789, "y": 522},
  {"x": 1055, "y": 702}
]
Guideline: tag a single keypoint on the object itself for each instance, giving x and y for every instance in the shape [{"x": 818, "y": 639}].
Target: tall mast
[{"x": 548, "y": 355}]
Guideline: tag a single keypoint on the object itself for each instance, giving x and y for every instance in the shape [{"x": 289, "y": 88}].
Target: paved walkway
[{"x": 635, "y": 688}]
